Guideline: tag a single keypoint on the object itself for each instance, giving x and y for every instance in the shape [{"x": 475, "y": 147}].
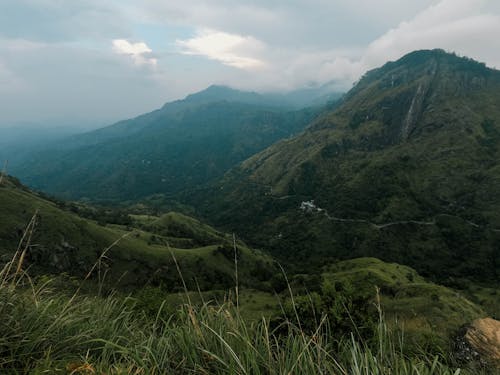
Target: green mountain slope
[
  {"x": 428, "y": 313},
  {"x": 407, "y": 299},
  {"x": 127, "y": 256},
  {"x": 183, "y": 145},
  {"x": 406, "y": 169}
]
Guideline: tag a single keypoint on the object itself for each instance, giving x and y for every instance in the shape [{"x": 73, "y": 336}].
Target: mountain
[
  {"x": 409, "y": 301},
  {"x": 141, "y": 255},
  {"x": 20, "y": 140},
  {"x": 314, "y": 95},
  {"x": 405, "y": 169},
  {"x": 181, "y": 146},
  {"x": 140, "y": 251}
]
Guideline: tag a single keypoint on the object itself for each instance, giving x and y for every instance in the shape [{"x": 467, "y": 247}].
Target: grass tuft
[{"x": 42, "y": 330}]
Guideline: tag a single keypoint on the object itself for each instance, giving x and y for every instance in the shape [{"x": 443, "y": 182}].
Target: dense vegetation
[
  {"x": 179, "y": 147},
  {"x": 45, "y": 330},
  {"x": 380, "y": 223},
  {"x": 406, "y": 170},
  {"x": 143, "y": 251}
]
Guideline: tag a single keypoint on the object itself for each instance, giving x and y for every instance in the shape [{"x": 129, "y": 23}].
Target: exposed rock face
[{"x": 484, "y": 336}]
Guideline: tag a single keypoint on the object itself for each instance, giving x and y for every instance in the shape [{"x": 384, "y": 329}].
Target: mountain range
[
  {"x": 181, "y": 146},
  {"x": 370, "y": 212},
  {"x": 405, "y": 169}
]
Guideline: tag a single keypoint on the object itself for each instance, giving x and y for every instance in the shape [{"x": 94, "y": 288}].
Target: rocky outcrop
[{"x": 483, "y": 335}]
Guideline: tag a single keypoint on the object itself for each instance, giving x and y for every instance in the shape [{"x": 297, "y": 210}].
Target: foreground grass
[{"x": 42, "y": 331}]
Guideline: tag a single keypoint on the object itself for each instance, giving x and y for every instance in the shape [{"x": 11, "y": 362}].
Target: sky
[{"x": 94, "y": 62}]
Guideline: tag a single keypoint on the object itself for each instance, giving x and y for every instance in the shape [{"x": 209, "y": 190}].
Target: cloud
[
  {"x": 62, "y": 21},
  {"x": 109, "y": 60},
  {"x": 9, "y": 82},
  {"x": 467, "y": 27},
  {"x": 462, "y": 26},
  {"x": 230, "y": 49},
  {"x": 139, "y": 52},
  {"x": 66, "y": 84},
  {"x": 289, "y": 24},
  {"x": 125, "y": 47}
]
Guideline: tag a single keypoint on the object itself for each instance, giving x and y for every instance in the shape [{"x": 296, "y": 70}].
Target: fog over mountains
[
  {"x": 382, "y": 204},
  {"x": 250, "y": 187},
  {"x": 177, "y": 147}
]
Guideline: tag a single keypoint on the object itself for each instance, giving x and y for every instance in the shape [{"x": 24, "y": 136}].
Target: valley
[{"x": 364, "y": 224}]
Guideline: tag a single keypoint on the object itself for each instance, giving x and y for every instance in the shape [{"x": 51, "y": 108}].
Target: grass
[
  {"x": 44, "y": 331},
  {"x": 488, "y": 297},
  {"x": 48, "y": 329},
  {"x": 68, "y": 243},
  {"x": 423, "y": 308}
]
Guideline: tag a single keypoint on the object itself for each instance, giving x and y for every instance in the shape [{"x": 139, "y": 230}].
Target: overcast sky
[{"x": 73, "y": 62}]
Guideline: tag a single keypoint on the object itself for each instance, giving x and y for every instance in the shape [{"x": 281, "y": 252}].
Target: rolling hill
[
  {"x": 141, "y": 253},
  {"x": 408, "y": 300}
]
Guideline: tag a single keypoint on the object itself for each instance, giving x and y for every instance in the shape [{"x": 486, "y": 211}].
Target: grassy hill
[
  {"x": 117, "y": 336},
  {"x": 325, "y": 309},
  {"x": 350, "y": 291},
  {"x": 126, "y": 256},
  {"x": 114, "y": 338},
  {"x": 420, "y": 307},
  {"x": 405, "y": 169},
  {"x": 142, "y": 254}
]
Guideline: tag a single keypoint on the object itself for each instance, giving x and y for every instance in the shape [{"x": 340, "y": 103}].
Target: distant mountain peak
[
  {"x": 400, "y": 91},
  {"x": 415, "y": 60},
  {"x": 223, "y": 93},
  {"x": 310, "y": 96}
]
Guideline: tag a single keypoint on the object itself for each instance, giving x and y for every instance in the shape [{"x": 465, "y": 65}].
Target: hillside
[
  {"x": 406, "y": 169},
  {"x": 127, "y": 256},
  {"x": 141, "y": 253},
  {"x": 181, "y": 146},
  {"x": 115, "y": 336},
  {"x": 408, "y": 300},
  {"x": 19, "y": 141}
]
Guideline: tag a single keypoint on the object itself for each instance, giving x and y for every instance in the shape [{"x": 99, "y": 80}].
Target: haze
[{"x": 68, "y": 63}]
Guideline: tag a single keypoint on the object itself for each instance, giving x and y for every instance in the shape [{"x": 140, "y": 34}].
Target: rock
[{"x": 483, "y": 335}]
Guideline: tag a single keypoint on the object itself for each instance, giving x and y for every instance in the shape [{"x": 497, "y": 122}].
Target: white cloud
[
  {"x": 461, "y": 26},
  {"x": 468, "y": 27},
  {"x": 124, "y": 46},
  {"x": 230, "y": 49},
  {"x": 139, "y": 52},
  {"x": 296, "y": 23},
  {"x": 58, "y": 57},
  {"x": 9, "y": 82},
  {"x": 66, "y": 84}
]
